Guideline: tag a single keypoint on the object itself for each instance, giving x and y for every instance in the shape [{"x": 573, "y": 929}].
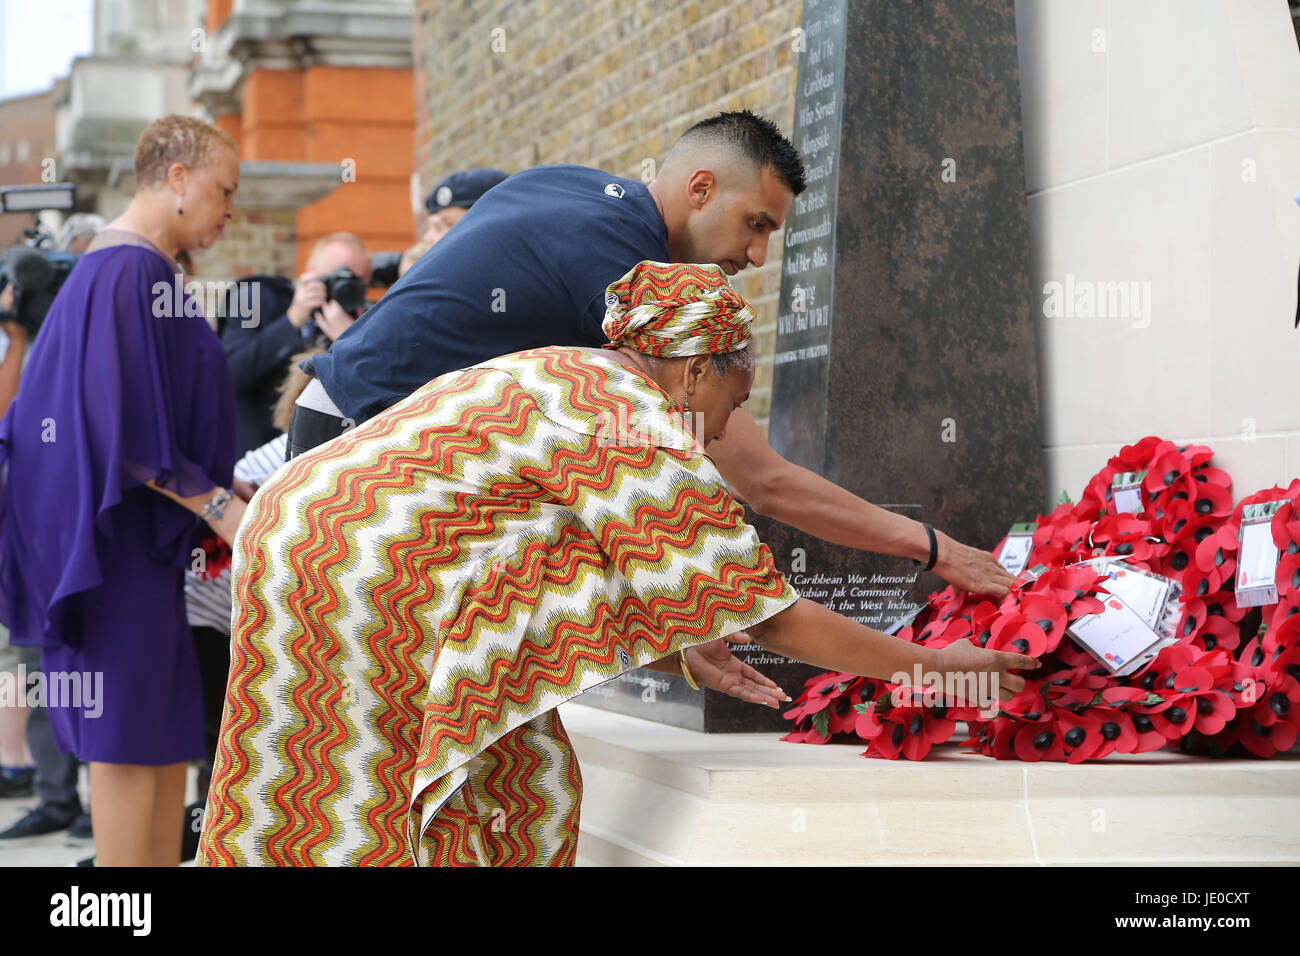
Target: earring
[{"x": 180, "y": 199}]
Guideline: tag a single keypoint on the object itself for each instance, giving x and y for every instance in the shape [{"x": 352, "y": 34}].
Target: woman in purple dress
[{"x": 118, "y": 445}]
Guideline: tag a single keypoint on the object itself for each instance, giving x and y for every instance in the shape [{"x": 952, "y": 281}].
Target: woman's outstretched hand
[
  {"x": 976, "y": 676},
  {"x": 713, "y": 665}
]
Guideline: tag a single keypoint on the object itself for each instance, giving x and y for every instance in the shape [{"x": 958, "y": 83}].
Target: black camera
[
  {"x": 35, "y": 272},
  {"x": 347, "y": 289},
  {"x": 36, "y": 276}
]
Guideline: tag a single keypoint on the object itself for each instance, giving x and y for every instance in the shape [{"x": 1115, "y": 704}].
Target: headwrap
[{"x": 676, "y": 310}]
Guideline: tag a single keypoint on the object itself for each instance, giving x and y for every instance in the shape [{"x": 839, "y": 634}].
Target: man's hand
[
  {"x": 713, "y": 665},
  {"x": 334, "y": 320},
  {"x": 970, "y": 569},
  {"x": 308, "y": 296},
  {"x": 796, "y": 496}
]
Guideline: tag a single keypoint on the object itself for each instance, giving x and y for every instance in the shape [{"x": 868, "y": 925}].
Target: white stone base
[{"x": 658, "y": 795}]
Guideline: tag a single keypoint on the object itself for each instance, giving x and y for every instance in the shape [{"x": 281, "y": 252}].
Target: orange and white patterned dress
[{"x": 414, "y": 598}]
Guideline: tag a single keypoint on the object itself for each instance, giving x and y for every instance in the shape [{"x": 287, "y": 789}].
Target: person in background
[
  {"x": 78, "y": 232},
  {"x": 316, "y": 416},
  {"x": 455, "y": 196},
  {"x": 287, "y": 317},
  {"x": 208, "y": 599},
  {"x": 411, "y": 256},
  {"x": 98, "y": 526}
]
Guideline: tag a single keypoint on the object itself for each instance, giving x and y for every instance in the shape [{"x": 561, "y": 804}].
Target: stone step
[{"x": 660, "y": 795}]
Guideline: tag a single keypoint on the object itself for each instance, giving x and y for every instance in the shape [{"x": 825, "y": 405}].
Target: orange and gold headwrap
[{"x": 675, "y": 310}]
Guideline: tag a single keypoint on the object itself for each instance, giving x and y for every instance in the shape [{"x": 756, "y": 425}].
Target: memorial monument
[{"x": 905, "y": 365}]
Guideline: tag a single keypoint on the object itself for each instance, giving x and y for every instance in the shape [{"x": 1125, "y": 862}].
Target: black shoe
[
  {"x": 81, "y": 830},
  {"x": 88, "y": 861},
  {"x": 16, "y": 785},
  {"x": 37, "y": 823}
]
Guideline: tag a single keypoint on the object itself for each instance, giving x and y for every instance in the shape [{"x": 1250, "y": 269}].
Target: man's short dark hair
[{"x": 756, "y": 138}]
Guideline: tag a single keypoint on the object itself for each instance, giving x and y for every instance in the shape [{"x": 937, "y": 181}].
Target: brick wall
[
  {"x": 260, "y": 241},
  {"x": 26, "y": 140},
  {"x": 609, "y": 84},
  {"x": 357, "y": 117}
]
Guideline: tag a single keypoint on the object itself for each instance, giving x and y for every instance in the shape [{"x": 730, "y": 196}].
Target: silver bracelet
[{"x": 216, "y": 506}]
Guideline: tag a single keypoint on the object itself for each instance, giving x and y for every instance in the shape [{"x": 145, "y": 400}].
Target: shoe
[
  {"x": 17, "y": 784},
  {"x": 88, "y": 861},
  {"x": 38, "y": 823},
  {"x": 81, "y": 831}
]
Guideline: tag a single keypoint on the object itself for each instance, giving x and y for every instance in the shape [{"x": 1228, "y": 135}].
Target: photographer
[{"x": 327, "y": 298}]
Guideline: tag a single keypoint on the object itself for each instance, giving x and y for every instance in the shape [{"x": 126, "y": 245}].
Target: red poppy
[
  {"x": 818, "y": 694},
  {"x": 1199, "y": 582},
  {"x": 1038, "y": 741},
  {"x": 1081, "y": 734},
  {"x": 1184, "y": 531},
  {"x": 1209, "y": 498},
  {"x": 1286, "y": 663},
  {"x": 1014, "y": 633},
  {"x": 1178, "y": 712},
  {"x": 805, "y": 735},
  {"x": 1272, "y": 724},
  {"x": 1288, "y": 574},
  {"x": 216, "y": 557},
  {"x": 1116, "y": 728},
  {"x": 842, "y": 717},
  {"x": 1165, "y": 471},
  {"x": 1217, "y": 554},
  {"x": 1223, "y": 604},
  {"x": 1217, "y": 632},
  {"x": 909, "y": 730},
  {"x": 1149, "y": 736},
  {"x": 1141, "y": 453}
]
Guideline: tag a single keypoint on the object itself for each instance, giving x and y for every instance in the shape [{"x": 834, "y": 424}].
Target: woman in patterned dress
[{"x": 414, "y": 598}]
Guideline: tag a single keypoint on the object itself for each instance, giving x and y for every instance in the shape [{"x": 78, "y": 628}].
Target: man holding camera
[{"x": 327, "y": 298}]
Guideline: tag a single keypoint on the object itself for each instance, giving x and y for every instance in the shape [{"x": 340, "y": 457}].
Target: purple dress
[{"x": 118, "y": 389}]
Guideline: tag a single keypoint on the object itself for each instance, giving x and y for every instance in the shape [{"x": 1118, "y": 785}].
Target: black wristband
[{"x": 934, "y": 549}]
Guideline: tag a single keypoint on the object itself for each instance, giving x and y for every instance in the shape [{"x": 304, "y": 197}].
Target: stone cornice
[{"x": 292, "y": 34}]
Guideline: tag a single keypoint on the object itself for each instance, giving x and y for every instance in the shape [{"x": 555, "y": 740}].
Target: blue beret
[{"x": 463, "y": 188}]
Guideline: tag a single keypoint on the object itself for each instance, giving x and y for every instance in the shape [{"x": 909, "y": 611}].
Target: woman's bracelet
[
  {"x": 934, "y": 549},
  {"x": 686, "y": 671},
  {"x": 216, "y": 506}
]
